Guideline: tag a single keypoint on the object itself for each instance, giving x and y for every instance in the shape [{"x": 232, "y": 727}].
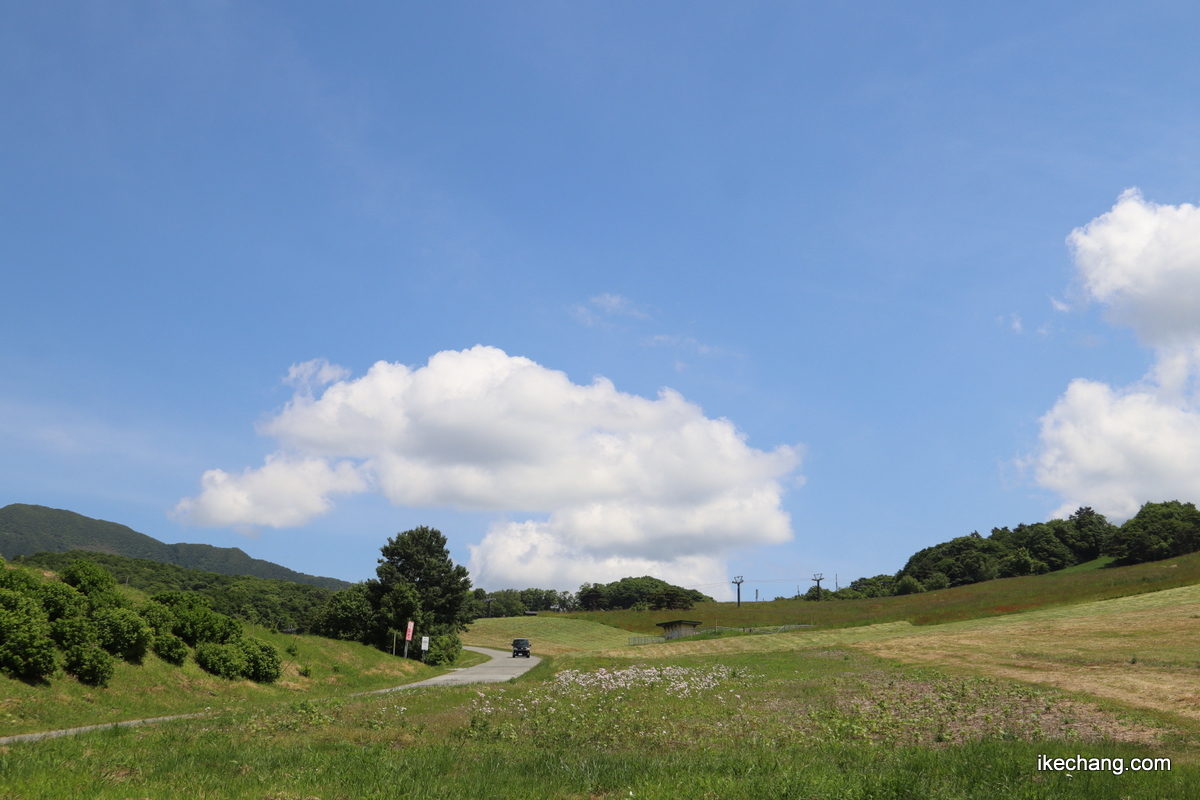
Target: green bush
[
  {"x": 169, "y": 648},
  {"x": 909, "y": 585},
  {"x": 937, "y": 580},
  {"x": 223, "y": 660},
  {"x": 89, "y": 577},
  {"x": 90, "y": 665},
  {"x": 60, "y": 600},
  {"x": 122, "y": 633},
  {"x": 263, "y": 664},
  {"x": 26, "y": 650},
  {"x": 70, "y": 632},
  {"x": 443, "y": 649},
  {"x": 197, "y": 623},
  {"x": 18, "y": 580},
  {"x": 158, "y": 617}
]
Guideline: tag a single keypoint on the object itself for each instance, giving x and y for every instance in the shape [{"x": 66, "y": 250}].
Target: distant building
[{"x": 678, "y": 627}]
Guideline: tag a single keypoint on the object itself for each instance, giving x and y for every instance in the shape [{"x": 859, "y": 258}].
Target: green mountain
[{"x": 26, "y": 529}]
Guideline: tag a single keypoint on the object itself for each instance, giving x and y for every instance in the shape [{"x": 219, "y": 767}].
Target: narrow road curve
[{"x": 501, "y": 668}]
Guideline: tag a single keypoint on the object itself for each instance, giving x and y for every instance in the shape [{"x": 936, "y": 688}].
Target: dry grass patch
[{"x": 1136, "y": 650}]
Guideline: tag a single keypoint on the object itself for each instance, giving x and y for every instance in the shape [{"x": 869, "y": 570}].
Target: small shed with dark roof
[{"x": 678, "y": 627}]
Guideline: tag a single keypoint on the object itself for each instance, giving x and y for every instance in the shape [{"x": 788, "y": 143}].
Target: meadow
[
  {"x": 1079, "y": 584},
  {"x": 963, "y": 709},
  {"x": 807, "y": 723}
]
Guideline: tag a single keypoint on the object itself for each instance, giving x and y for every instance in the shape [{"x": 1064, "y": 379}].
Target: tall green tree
[{"x": 418, "y": 561}]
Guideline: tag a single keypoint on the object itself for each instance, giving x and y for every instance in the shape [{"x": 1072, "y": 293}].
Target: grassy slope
[
  {"x": 1137, "y": 650},
  {"x": 991, "y": 598},
  {"x": 548, "y": 635},
  {"x": 155, "y": 688}
]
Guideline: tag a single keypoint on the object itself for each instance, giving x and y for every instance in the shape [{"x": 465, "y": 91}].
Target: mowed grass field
[
  {"x": 1080, "y": 584},
  {"x": 1142, "y": 650},
  {"x": 548, "y": 635}
]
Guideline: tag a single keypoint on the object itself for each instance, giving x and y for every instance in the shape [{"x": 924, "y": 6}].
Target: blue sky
[{"x": 837, "y": 228}]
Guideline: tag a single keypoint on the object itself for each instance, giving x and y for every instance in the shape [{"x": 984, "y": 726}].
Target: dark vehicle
[{"x": 520, "y": 647}]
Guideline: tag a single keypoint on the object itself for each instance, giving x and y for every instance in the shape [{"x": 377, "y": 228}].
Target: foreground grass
[
  {"x": 1081, "y": 584},
  {"x": 815, "y": 723},
  {"x": 313, "y": 667}
]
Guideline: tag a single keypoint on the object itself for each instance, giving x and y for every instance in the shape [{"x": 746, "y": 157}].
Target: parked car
[{"x": 520, "y": 648}]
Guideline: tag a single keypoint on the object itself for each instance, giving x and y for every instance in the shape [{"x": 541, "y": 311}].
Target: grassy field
[
  {"x": 549, "y": 636},
  {"x": 1080, "y": 584},
  {"x": 894, "y": 710},
  {"x": 828, "y": 723},
  {"x": 1139, "y": 650}
]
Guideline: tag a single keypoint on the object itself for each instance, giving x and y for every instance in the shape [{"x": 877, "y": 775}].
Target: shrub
[
  {"x": 263, "y": 664},
  {"x": 18, "y": 580},
  {"x": 223, "y": 660},
  {"x": 158, "y": 617},
  {"x": 90, "y": 665},
  {"x": 89, "y": 577},
  {"x": 169, "y": 648},
  {"x": 937, "y": 580},
  {"x": 26, "y": 650},
  {"x": 909, "y": 585},
  {"x": 71, "y": 632},
  {"x": 443, "y": 649},
  {"x": 197, "y": 624},
  {"x": 60, "y": 600},
  {"x": 122, "y": 633}
]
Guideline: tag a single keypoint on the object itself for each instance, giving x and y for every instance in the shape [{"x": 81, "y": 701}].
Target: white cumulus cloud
[
  {"x": 616, "y": 484},
  {"x": 1114, "y": 448}
]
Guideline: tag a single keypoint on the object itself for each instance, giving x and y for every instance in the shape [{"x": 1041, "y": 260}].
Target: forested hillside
[
  {"x": 28, "y": 529},
  {"x": 1157, "y": 531},
  {"x": 281, "y": 605}
]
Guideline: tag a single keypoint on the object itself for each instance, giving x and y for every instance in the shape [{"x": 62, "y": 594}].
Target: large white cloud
[
  {"x": 618, "y": 483},
  {"x": 1116, "y": 448}
]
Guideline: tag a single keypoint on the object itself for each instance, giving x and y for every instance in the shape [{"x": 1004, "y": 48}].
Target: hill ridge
[{"x": 28, "y": 529}]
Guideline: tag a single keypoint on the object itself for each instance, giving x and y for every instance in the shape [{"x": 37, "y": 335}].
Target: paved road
[{"x": 501, "y": 668}]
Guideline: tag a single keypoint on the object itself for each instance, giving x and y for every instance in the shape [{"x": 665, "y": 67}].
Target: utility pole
[
  {"x": 818, "y": 577},
  {"x": 739, "y": 580}
]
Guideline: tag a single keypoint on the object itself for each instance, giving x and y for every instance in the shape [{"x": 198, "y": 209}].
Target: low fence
[
  {"x": 647, "y": 639},
  {"x": 635, "y": 640}
]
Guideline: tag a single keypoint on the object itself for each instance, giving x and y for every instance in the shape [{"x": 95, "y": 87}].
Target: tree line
[
  {"x": 640, "y": 594},
  {"x": 1157, "y": 531}
]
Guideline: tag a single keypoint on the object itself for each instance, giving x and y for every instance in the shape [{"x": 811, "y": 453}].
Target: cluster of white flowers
[{"x": 677, "y": 681}]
